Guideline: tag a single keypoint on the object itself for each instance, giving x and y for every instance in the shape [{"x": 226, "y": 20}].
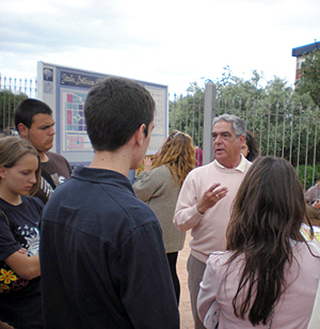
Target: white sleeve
[{"x": 186, "y": 214}]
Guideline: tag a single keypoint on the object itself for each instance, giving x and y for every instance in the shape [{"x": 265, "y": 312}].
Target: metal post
[{"x": 209, "y": 114}]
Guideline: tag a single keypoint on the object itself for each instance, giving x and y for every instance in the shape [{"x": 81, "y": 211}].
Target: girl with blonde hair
[
  {"x": 159, "y": 185},
  {"x": 20, "y": 295}
]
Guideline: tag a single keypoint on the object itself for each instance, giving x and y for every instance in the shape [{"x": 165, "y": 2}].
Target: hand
[
  {"x": 210, "y": 197},
  {"x": 147, "y": 164},
  {"x": 316, "y": 204}
]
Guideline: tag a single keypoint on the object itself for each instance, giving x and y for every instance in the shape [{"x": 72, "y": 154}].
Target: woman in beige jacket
[{"x": 159, "y": 185}]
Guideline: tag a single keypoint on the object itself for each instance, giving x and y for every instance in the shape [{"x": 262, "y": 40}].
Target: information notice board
[{"x": 65, "y": 90}]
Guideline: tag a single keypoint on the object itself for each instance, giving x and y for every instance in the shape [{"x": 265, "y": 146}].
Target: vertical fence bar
[
  {"x": 299, "y": 139},
  {"x": 307, "y": 147},
  {"x": 240, "y": 103},
  {"x": 4, "y": 111},
  {"x": 232, "y": 106},
  {"x": 284, "y": 130},
  {"x": 25, "y": 85},
  {"x": 261, "y": 127},
  {"x": 181, "y": 111},
  {"x": 186, "y": 128},
  {"x": 276, "y": 131},
  {"x": 199, "y": 121},
  {"x": 193, "y": 116},
  {"x": 291, "y": 137},
  {"x": 268, "y": 135},
  {"x": 247, "y": 106},
  {"x": 173, "y": 114},
  {"x": 209, "y": 114},
  {"x": 315, "y": 144},
  {"x": 254, "y": 116},
  {"x": 225, "y": 105}
]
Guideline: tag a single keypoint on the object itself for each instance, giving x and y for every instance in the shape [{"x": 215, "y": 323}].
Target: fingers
[
  {"x": 221, "y": 193},
  {"x": 213, "y": 187},
  {"x": 146, "y": 160},
  {"x": 211, "y": 196},
  {"x": 147, "y": 164}
]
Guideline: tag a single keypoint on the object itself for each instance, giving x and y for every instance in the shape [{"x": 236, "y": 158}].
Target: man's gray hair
[{"x": 238, "y": 125}]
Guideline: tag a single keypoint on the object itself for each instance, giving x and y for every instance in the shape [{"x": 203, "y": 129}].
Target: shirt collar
[{"x": 241, "y": 166}]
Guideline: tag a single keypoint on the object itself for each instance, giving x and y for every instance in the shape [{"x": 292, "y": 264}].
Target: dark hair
[
  {"x": 27, "y": 109},
  {"x": 252, "y": 146},
  {"x": 268, "y": 211},
  {"x": 114, "y": 109},
  {"x": 12, "y": 149},
  {"x": 238, "y": 125}
]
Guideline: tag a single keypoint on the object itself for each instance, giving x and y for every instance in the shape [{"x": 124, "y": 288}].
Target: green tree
[
  {"x": 8, "y": 103},
  {"x": 309, "y": 81},
  {"x": 283, "y": 121},
  {"x": 186, "y": 113}
]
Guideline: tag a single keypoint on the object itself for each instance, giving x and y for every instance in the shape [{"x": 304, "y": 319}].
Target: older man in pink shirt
[{"x": 206, "y": 197}]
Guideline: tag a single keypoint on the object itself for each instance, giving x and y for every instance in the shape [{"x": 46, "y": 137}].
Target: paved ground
[{"x": 186, "y": 320}]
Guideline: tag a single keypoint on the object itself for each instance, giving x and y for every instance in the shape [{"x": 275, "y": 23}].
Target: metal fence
[
  {"x": 287, "y": 131},
  {"x": 17, "y": 86},
  {"x": 13, "y": 91},
  {"x": 290, "y": 132}
]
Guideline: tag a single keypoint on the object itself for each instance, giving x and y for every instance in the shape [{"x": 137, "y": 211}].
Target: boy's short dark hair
[
  {"x": 114, "y": 109},
  {"x": 27, "y": 109}
]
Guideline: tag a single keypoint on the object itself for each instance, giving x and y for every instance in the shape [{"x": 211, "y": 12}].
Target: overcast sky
[{"x": 167, "y": 42}]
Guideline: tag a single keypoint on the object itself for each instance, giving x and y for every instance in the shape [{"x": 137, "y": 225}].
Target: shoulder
[
  {"x": 157, "y": 173},
  {"x": 218, "y": 258},
  {"x": 57, "y": 163},
  {"x": 55, "y": 157},
  {"x": 163, "y": 170},
  {"x": 33, "y": 202},
  {"x": 314, "y": 187}
]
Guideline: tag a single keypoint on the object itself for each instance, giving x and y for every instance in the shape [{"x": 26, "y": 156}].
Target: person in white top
[
  {"x": 206, "y": 196},
  {"x": 269, "y": 276}
]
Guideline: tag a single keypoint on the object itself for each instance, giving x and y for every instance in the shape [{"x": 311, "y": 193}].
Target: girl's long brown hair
[
  {"x": 179, "y": 155},
  {"x": 268, "y": 211}
]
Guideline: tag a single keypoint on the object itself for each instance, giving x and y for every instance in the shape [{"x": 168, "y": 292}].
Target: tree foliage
[
  {"x": 8, "y": 103},
  {"x": 309, "y": 81},
  {"x": 283, "y": 120}
]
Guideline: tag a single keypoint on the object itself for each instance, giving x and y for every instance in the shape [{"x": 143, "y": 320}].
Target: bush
[{"x": 309, "y": 182}]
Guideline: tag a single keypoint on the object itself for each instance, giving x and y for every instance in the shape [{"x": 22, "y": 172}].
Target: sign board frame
[{"x": 64, "y": 89}]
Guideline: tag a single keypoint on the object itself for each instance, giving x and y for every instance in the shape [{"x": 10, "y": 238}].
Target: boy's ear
[
  {"x": 23, "y": 130},
  {"x": 3, "y": 172},
  {"x": 141, "y": 134}
]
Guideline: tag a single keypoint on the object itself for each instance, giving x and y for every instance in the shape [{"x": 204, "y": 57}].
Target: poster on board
[{"x": 65, "y": 90}]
